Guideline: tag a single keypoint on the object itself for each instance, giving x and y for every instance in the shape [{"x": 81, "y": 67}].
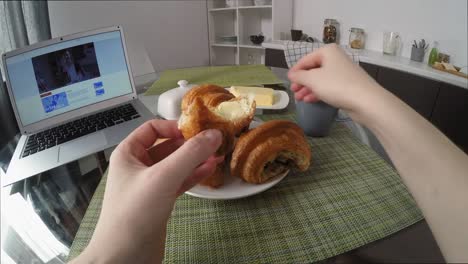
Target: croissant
[
  {"x": 201, "y": 112},
  {"x": 216, "y": 179},
  {"x": 212, "y": 107},
  {"x": 211, "y": 95},
  {"x": 269, "y": 151},
  {"x": 229, "y": 117}
]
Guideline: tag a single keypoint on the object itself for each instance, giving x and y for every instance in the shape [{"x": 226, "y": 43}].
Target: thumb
[
  {"x": 182, "y": 162},
  {"x": 302, "y": 77}
]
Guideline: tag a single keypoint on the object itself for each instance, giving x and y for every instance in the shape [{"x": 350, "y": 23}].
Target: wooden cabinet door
[
  {"x": 418, "y": 92},
  {"x": 451, "y": 114}
]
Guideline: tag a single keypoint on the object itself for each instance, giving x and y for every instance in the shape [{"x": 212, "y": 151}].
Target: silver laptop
[{"x": 72, "y": 96}]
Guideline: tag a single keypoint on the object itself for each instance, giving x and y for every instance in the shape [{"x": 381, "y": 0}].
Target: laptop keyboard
[{"x": 78, "y": 128}]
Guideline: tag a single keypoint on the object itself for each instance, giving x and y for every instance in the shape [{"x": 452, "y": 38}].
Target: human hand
[
  {"x": 329, "y": 75},
  {"x": 141, "y": 190}
]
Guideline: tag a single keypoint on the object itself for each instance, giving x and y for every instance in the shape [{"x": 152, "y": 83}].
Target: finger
[
  {"x": 310, "y": 98},
  {"x": 164, "y": 149},
  {"x": 203, "y": 171},
  {"x": 145, "y": 135},
  {"x": 302, "y": 93},
  {"x": 296, "y": 87},
  {"x": 195, "y": 151},
  {"x": 304, "y": 78},
  {"x": 311, "y": 61}
]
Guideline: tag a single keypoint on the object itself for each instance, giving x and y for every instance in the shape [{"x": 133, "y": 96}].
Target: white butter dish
[{"x": 169, "y": 102}]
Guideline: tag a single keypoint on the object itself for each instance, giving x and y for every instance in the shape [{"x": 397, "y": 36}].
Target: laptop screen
[{"x": 61, "y": 77}]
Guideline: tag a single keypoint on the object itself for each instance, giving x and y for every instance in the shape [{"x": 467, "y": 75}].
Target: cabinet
[
  {"x": 418, "y": 92},
  {"x": 371, "y": 69},
  {"x": 230, "y": 28},
  {"x": 450, "y": 114}
]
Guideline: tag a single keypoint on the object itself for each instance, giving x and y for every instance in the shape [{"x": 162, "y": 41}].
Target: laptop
[{"x": 72, "y": 96}]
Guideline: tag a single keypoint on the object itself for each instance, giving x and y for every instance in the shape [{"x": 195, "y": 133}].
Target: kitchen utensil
[
  {"x": 315, "y": 119},
  {"x": 257, "y": 39},
  {"x": 417, "y": 53},
  {"x": 169, "y": 102},
  {"x": 391, "y": 43},
  {"x": 296, "y": 34}
]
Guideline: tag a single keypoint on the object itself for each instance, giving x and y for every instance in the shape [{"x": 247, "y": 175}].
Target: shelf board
[
  {"x": 223, "y": 45},
  {"x": 255, "y": 7},
  {"x": 251, "y": 46},
  {"x": 222, "y": 9}
]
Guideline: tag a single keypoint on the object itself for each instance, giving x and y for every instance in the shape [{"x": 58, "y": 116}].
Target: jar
[
  {"x": 330, "y": 31},
  {"x": 356, "y": 38},
  {"x": 442, "y": 57}
]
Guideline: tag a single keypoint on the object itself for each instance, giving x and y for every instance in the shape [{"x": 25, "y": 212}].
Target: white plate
[
  {"x": 234, "y": 187},
  {"x": 280, "y": 100}
]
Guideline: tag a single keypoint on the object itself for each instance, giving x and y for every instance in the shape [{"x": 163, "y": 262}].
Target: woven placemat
[
  {"x": 220, "y": 75},
  {"x": 348, "y": 198}
]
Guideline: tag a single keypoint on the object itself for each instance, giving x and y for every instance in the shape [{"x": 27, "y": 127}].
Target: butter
[
  {"x": 262, "y": 96},
  {"x": 232, "y": 110}
]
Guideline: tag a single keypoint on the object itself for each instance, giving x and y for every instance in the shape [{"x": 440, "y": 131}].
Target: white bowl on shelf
[
  {"x": 231, "y": 3},
  {"x": 227, "y": 39},
  {"x": 262, "y": 2}
]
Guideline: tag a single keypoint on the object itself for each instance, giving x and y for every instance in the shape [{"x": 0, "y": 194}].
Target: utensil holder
[{"x": 417, "y": 54}]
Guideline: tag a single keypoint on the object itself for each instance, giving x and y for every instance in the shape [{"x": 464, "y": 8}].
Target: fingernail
[{"x": 212, "y": 134}]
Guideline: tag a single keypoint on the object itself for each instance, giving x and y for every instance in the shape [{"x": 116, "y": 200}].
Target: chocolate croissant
[{"x": 270, "y": 150}]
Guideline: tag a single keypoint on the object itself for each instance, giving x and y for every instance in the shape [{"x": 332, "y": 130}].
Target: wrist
[
  {"x": 123, "y": 250},
  {"x": 132, "y": 243},
  {"x": 371, "y": 104}
]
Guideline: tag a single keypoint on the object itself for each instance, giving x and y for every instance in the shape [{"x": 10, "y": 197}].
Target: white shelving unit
[{"x": 273, "y": 20}]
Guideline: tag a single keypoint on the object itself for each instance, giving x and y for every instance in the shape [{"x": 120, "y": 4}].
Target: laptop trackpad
[{"x": 81, "y": 147}]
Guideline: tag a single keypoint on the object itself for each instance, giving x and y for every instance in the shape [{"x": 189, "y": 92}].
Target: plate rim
[{"x": 277, "y": 180}]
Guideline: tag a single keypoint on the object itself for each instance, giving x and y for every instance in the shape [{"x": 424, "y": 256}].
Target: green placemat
[
  {"x": 349, "y": 198},
  {"x": 221, "y": 75}
]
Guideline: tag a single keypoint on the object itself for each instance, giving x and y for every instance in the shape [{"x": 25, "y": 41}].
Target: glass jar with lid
[
  {"x": 330, "y": 31},
  {"x": 356, "y": 38}
]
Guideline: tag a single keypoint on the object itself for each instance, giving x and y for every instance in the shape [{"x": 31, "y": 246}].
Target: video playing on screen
[{"x": 64, "y": 67}]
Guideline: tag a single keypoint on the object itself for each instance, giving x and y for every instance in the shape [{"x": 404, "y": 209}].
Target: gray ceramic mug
[{"x": 315, "y": 119}]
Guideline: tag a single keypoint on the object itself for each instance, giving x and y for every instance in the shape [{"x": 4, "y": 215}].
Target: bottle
[{"x": 434, "y": 53}]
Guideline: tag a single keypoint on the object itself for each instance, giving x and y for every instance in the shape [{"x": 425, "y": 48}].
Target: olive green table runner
[
  {"x": 220, "y": 75},
  {"x": 348, "y": 198}
]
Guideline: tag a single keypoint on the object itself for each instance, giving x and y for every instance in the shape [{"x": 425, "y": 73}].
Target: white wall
[
  {"x": 174, "y": 33},
  {"x": 444, "y": 21}
]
